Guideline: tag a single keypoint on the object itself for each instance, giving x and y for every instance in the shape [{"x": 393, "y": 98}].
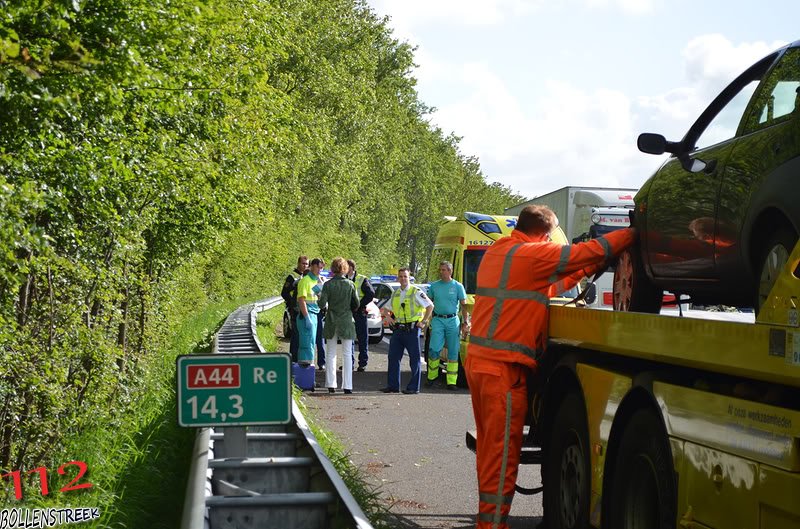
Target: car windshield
[{"x": 472, "y": 260}]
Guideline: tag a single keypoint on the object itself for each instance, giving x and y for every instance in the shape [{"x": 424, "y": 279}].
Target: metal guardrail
[{"x": 284, "y": 480}]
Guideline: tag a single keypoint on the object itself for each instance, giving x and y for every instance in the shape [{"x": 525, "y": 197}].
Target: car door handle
[{"x": 776, "y": 148}]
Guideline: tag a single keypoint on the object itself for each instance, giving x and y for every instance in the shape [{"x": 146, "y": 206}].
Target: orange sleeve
[
  {"x": 587, "y": 258},
  {"x": 549, "y": 263},
  {"x": 591, "y": 255}
]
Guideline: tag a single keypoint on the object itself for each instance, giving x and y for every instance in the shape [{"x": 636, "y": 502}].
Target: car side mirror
[{"x": 650, "y": 143}]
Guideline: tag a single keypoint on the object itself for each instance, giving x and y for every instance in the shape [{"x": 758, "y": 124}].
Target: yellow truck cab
[{"x": 463, "y": 241}]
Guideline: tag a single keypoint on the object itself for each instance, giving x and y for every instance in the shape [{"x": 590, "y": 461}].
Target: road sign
[{"x": 234, "y": 389}]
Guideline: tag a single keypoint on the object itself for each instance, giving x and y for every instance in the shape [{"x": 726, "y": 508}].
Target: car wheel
[
  {"x": 287, "y": 325},
  {"x": 774, "y": 256},
  {"x": 633, "y": 291}
]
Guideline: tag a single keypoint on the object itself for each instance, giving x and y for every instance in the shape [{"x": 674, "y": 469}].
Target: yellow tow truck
[{"x": 651, "y": 421}]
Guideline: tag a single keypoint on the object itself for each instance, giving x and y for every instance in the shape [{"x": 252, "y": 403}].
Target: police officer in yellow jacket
[{"x": 411, "y": 310}]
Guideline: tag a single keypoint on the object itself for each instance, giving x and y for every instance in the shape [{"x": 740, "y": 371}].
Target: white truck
[
  {"x": 573, "y": 205},
  {"x": 584, "y": 213}
]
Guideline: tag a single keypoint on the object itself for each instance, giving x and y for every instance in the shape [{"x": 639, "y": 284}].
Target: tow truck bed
[{"x": 758, "y": 351}]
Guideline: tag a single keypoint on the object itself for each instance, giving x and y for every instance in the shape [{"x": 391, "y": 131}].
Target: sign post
[{"x": 234, "y": 389}]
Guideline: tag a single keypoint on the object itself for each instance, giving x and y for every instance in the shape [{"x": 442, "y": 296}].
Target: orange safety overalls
[{"x": 516, "y": 278}]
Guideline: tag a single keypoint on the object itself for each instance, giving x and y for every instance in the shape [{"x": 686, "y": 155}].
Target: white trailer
[{"x": 573, "y": 205}]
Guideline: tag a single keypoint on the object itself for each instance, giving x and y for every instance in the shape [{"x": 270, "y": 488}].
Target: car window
[
  {"x": 722, "y": 118},
  {"x": 723, "y": 126},
  {"x": 779, "y": 94}
]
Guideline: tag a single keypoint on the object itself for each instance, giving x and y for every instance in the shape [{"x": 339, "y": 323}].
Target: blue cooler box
[{"x": 303, "y": 376}]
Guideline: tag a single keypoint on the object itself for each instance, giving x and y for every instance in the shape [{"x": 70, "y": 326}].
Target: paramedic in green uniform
[
  {"x": 448, "y": 295},
  {"x": 308, "y": 290}
]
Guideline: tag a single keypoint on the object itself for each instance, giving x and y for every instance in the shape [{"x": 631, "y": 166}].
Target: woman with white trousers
[{"x": 339, "y": 294}]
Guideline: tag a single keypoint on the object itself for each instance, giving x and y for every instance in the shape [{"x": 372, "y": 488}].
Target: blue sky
[{"x": 550, "y": 93}]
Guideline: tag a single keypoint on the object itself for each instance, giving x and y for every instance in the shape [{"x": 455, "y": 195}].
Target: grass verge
[
  {"x": 147, "y": 464},
  {"x": 267, "y": 324}
]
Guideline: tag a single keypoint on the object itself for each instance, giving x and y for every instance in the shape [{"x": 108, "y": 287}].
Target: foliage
[{"x": 159, "y": 157}]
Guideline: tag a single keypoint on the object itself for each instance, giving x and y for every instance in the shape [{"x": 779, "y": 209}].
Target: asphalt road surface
[{"x": 412, "y": 447}]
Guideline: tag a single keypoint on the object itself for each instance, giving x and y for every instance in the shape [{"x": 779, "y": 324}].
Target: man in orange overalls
[{"x": 517, "y": 277}]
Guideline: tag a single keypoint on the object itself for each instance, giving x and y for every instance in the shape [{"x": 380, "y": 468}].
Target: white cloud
[
  {"x": 428, "y": 70},
  {"x": 711, "y": 63},
  {"x": 569, "y": 137},
  {"x": 713, "y": 60},
  {"x": 407, "y": 14}
]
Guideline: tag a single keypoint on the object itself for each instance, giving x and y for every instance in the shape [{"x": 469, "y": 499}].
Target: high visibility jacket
[
  {"x": 412, "y": 311},
  {"x": 306, "y": 290},
  {"x": 516, "y": 279},
  {"x": 359, "y": 281}
]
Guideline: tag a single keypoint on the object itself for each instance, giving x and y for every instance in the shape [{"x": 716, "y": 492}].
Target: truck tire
[
  {"x": 566, "y": 472},
  {"x": 633, "y": 291},
  {"x": 643, "y": 487}
]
